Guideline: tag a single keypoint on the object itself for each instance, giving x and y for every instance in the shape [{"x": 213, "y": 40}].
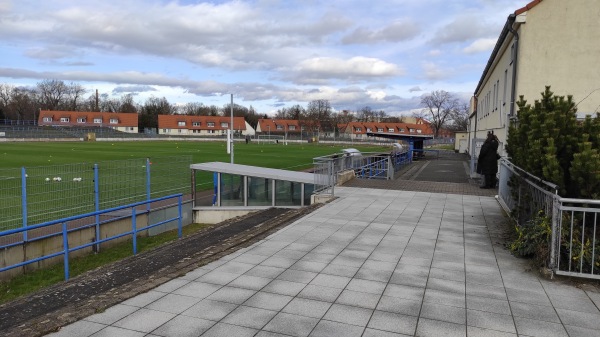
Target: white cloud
[
  {"x": 464, "y": 28},
  {"x": 415, "y": 89},
  {"x": 434, "y": 52},
  {"x": 433, "y": 72},
  {"x": 480, "y": 45},
  {"x": 397, "y": 31},
  {"x": 354, "y": 69}
]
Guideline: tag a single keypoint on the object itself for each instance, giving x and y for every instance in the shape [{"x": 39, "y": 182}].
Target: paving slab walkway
[{"x": 373, "y": 262}]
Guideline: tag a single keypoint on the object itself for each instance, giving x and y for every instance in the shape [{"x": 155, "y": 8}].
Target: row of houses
[
  {"x": 545, "y": 43},
  {"x": 184, "y": 125}
]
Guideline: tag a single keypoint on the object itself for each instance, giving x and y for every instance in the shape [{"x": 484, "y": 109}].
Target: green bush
[{"x": 533, "y": 238}]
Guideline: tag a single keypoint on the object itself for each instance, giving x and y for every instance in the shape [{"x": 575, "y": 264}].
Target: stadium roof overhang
[{"x": 407, "y": 138}]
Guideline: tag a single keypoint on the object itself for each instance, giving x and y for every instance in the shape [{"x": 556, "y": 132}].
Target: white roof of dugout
[{"x": 255, "y": 171}]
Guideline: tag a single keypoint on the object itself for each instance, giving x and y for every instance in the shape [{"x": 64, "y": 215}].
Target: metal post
[
  {"x": 179, "y": 225},
  {"x": 231, "y": 128},
  {"x": 245, "y": 191},
  {"x": 193, "y": 188},
  {"x": 134, "y": 230},
  {"x": 97, "y": 206},
  {"x": 65, "y": 249},
  {"x": 24, "y": 200},
  {"x": 148, "y": 191},
  {"x": 555, "y": 229},
  {"x": 331, "y": 176},
  {"x": 219, "y": 189}
]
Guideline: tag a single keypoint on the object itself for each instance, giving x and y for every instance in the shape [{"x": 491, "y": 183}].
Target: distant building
[
  {"x": 359, "y": 130},
  {"x": 125, "y": 122},
  {"x": 184, "y": 125},
  {"x": 547, "y": 42},
  {"x": 278, "y": 126}
]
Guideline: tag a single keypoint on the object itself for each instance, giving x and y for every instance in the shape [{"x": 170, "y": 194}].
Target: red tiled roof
[
  {"x": 125, "y": 119},
  {"x": 270, "y": 124},
  {"x": 527, "y": 7},
  {"x": 425, "y": 129},
  {"x": 172, "y": 122}
]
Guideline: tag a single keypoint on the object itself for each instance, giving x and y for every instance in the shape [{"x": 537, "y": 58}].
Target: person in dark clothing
[{"x": 487, "y": 163}]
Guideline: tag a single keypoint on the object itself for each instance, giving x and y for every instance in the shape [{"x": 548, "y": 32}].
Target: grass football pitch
[
  {"x": 292, "y": 156},
  {"x": 122, "y": 172}
]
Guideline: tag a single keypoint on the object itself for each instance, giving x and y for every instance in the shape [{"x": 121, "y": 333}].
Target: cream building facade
[{"x": 547, "y": 42}]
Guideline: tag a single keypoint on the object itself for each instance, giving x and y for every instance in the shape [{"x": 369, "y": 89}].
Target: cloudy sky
[{"x": 270, "y": 54}]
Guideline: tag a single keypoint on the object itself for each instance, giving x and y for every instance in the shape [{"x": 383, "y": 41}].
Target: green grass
[
  {"x": 41, "y": 278},
  {"x": 16, "y": 155},
  {"x": 122, "y": 172}
]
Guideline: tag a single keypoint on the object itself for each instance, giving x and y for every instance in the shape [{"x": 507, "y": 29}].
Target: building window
[
  {"x": 81, "y": 120},
  {"x": 210, "y": 124},
  {"x": 505, "y": 86},
  {"x": 358, "y": 130},
  {"x": 113, "y": 121},
  {"x": 195, "y": 123},
  {"x": 411, "y": 130},
  {"x": 379, "y": 129},
  {"x": 279, "y": 127},
  {"x": 97, "y": 120},
  {"x": 181, "y": 123},
  {"x": 65, "y": 119},
  {"x": 166, "y": 130},
  {"x": 368, "y": 129},
  {"x": 418, "y": 131},
  {"x": 400, "y": 130},
  {"x": 211, "y": 131},
  {"x": 224, "y": 124},
  {"x": 292, "y": 127},
  {"x": 47, "y": 119},
  {"x": 178, "y": 130},
  {"x": 390, "y": 129}
]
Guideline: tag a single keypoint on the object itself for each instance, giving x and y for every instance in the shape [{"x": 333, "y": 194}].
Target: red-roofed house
[
  {"x": 178, "y": 125},
  {"x": 359, "y": 130},
  {"x": 125, "y": 122},
  {"x": 278, "y": 126}
]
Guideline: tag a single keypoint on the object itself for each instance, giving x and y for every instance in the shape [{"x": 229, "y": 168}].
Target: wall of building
[
  {"x": 493, "y": 99},
  {"x": 559, "y": 47}
]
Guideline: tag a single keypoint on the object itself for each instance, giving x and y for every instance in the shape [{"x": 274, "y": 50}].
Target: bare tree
[
  {"x": 460, "y": 117},
  {"x": 52, "y": 94},
  {"x": 127, "y": 104},
  {"x": 6, "y": 91},
  {"x": 366, "y": 114},
  {"x": 73, "y": 94},
  {"x": 319, "y": 111},
  {"x": 439, "y": 106},
  {"x": 23, "y": 105}
]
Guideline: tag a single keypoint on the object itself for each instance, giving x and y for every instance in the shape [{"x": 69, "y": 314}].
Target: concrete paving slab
[{"x": 371, "y": 262}]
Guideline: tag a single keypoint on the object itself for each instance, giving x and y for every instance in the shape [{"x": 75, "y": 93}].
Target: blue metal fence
[
  {"x": 30, "y": 196},
  {"x": 65, "y": 231}
]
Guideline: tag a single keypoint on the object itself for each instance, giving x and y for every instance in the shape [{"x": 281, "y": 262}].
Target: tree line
[{"x": 24, "y": 103}]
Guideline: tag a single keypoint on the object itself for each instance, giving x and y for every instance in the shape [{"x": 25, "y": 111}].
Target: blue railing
[{"x": 66, "y": 249}]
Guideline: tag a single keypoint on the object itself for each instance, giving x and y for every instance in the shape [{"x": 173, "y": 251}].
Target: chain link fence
[{"x": 34, "y": 195}]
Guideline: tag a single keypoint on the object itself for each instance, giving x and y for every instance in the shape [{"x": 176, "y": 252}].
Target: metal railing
[
  {"x": 29, "y": 196},
  {"x": 64, "y": 223},
  {"x": 365, "y": 165},
  {"x": 574, "y": 247}
]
